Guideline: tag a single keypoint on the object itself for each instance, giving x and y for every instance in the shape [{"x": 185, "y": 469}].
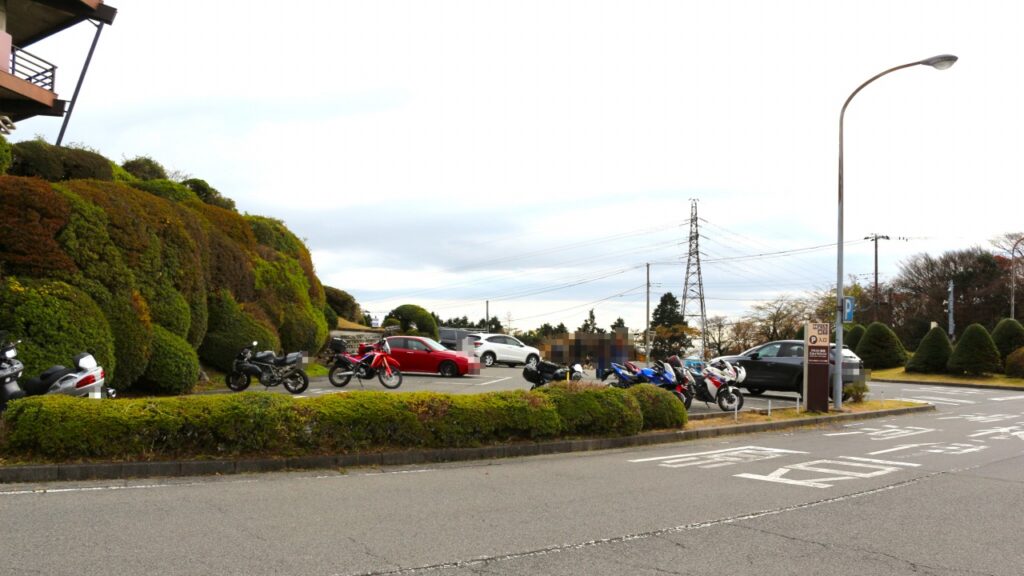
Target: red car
[{"x": 419, "y": 354}]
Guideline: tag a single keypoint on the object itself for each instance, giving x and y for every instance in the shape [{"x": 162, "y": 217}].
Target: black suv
[{"x": 779, "y": 365}]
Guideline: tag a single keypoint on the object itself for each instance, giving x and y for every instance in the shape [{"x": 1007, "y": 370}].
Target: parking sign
[{"x": 848, "y": 305}]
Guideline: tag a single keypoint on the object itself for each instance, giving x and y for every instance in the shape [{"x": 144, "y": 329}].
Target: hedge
[
  {"x": 55, "y": 163},
  {"x": 660, "y": 408},
  {"x": 1008, "y": 336},
  {"x": 975, "y": 353},
  {"x": 173, "y": 365},
  {"x": 230, "y": 330},
  {"x": 1015, "y": 364},
  {"x": 881, "y": 348},
  {"x": 852, "y": 338},
  {"x": 257, "y": 423}
]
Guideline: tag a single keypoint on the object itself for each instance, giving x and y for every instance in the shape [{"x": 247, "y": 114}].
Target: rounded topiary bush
[
  {"x": 661, "y": 408},
  {"x": 173, "y": 365},
  {"x": 853, "y": 337},
  {"x": 145, "y": 168},
  {"x": 1008, "y": 336},
  {"x": 231, "y": 329},
  {"x": 55, "y": 322},
  {"x": 409, "y": 315},
  {"x": 932, "y": 353},
  {"x": 975, "y": 353},
  {"x": 36, "y": 158},
  {"x": 1015, "y": 363},
  {"x": 591, "y": 409},
  {"x": 81, "y": 163},
  {"x": 880, "y": 347}
]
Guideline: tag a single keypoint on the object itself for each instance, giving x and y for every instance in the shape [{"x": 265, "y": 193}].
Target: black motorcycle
[
  {"x": 543, "y": 372},
  {"x": 269, "y": 368}
]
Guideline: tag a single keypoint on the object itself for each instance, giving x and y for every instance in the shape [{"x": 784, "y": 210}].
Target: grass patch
[
  {"x": 901, "y": 375},
  {"x": 787, "y": 414}
]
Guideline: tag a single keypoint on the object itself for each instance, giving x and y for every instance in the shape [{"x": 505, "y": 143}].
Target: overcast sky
[{"x": 536, "y": 154}]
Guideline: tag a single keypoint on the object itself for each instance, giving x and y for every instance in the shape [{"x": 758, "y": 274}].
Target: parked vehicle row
[
  {"x": 86, "y": 378},
  {"x": 779, "y": 365}
]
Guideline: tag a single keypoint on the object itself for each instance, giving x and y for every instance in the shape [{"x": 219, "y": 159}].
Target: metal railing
[{"x": 32, "y": 68}]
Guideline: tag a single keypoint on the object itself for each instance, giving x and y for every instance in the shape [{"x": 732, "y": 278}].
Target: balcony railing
[{"x": 32, "y": 68}]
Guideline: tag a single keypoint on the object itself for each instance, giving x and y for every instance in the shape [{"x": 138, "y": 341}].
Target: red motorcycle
[{"x": 371, "y": 360}]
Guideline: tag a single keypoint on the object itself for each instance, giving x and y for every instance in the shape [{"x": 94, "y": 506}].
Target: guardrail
[{"x": 32, "y": 68}]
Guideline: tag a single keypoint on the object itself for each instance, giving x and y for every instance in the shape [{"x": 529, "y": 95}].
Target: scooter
[
  {"x": 544, "y": 372},
  {"x": 87, "y": 378},
  {"x": 269, "y": 369},
  {"x": 714, "y": 382},
  {"x": 371, "y": 360}
]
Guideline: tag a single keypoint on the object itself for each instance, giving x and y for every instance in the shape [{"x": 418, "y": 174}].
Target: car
[
  {"x": 452, "y": 338},
  {"x": 420, "y": 354},
  {"x": 779, "y": 365},
  {"x": 502, "y": 349}
]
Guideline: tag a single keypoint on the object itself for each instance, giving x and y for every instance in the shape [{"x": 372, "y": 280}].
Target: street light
[
  {"x": 940, "y": 62},
  {"x": 1013, "y": 275}
]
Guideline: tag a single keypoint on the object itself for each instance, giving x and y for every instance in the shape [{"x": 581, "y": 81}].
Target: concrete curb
[
  {"x": 124, "y": 470},
  {"x": 951, "y": 384}
]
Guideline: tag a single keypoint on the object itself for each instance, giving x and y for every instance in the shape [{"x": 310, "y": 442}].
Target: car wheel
[
  {"x": 755, "y": 390},
  {"x": 532, "y": 360},
  {"x": 448, "y": 369},
  {"x": 488, "y": 359}
]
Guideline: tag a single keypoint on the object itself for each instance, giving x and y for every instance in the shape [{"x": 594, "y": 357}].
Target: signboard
[
  {"x": 816, "y": 348},
  {"x": 849, "y": 304}
]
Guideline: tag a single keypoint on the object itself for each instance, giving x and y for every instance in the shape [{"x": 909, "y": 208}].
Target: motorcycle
[
  {"x": 269, "y": 368},
  {"x": 371, "y": 360},
  {"x": 543, "y": 372},
  {"x": 626, "y": 375},
  {"x": 87, "y": 378},
  {"x": 715, "y": 382}
]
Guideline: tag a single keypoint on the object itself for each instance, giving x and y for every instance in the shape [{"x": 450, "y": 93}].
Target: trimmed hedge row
[{"x": 256, "y": 423}]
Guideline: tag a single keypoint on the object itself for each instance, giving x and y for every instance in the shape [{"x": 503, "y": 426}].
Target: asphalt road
[{"x": 937, "y": 493}]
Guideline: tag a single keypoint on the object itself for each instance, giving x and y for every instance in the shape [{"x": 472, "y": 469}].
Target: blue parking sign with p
[{"x": 848, "y": 305}]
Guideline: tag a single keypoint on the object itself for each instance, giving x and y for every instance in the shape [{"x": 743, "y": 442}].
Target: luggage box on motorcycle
[
  {"x": 337, "y": 344},
  {"x": 547, "y": 368}
]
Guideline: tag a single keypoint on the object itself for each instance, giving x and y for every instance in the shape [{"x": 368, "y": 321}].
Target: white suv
[{"x": 503, "y": 349}]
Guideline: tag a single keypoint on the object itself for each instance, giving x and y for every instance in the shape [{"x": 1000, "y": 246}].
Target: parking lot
[{"x": 505, "y": 378}]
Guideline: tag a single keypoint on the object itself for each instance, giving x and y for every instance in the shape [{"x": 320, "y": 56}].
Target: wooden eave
[{"x": 29, "y": 21}]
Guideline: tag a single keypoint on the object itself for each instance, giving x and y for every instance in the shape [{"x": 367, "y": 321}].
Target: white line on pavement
[{"x": 493, "y": 381}]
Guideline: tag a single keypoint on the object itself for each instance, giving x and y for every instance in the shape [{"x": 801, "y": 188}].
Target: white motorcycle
[
  {"x": 87, "y": 378},
  {"x": 715, "y": 382}
]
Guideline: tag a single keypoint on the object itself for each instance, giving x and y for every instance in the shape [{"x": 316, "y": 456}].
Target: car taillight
[
  {"x": 90, "y": 379},
  {"x": 477, "y": 344}
]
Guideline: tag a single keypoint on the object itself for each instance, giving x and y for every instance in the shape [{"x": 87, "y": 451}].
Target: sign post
[{"x": 816, "y": 348}]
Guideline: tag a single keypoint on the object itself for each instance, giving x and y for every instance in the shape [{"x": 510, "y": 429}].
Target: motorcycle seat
[
  {"x": 39, "y": 385},
  {"x": 288, "y": 359}
]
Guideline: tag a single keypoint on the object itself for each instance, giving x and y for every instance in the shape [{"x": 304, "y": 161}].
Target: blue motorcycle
[{"x": 659, "y": 374}]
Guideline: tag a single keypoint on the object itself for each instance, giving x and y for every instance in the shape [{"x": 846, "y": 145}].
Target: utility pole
[
  {"x": 952, "y": 325},
  {"x": 647, "y": 328},
  {"x": 874, "y": 303},
  {"x": 487, "y": 315}
]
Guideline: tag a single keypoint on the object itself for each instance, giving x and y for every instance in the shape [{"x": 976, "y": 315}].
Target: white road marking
[
  {"x": 493, "y": 381},
  {"x": 1005, "y": 398},
  {"x": 858, "y": 459},
  {"x": 947, "y": 402},
  {"x": 901, "y": 447}
]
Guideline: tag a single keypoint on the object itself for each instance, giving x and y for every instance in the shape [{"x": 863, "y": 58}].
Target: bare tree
[
  {"x": 717, "y": 337},
  {"x": 778, "y": 319}
]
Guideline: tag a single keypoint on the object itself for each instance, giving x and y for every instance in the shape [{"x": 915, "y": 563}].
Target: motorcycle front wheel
[
  {"x": 296, "y": 382},
  {"x": 729, "y": 401},
  {"x": 687, "y": 399},
  {"x": 393, "y": 381},
  {"x": 336, "y": 377},
  {"x": 237, "y": 381}
]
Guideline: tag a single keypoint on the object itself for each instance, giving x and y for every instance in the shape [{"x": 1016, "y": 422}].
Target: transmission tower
[{"x": 693, "y": 286}]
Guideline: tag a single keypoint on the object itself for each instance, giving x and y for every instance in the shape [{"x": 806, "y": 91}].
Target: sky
[{"x": 530, "y": 158}]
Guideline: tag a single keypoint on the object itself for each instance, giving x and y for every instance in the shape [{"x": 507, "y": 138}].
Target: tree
[
  {"x": 778, "y": 319},
  {"x": 932, "y": 354},
  {"x": 975, "y": 353},
  {"x": 744, "y": 335},
  {"x": 209, "y": 194},
  {"x": 619, "y": 323},
  {"x": 492, "y": 326},
  {"x": 145, "y": 168},
  {"x": 1008, "y": 336},
  {"x": 590, "y": 325},
  {"x": 717, "y": 338},
  {"x": 667, "y": 312},
  {"x": 853, "y": 336},
  {"x": 343, "y": 304},
  {"x": 413, "y": 319}
]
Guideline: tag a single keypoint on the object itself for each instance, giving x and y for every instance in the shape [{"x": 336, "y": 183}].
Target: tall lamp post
[
  {"x": 1013, "y": 275},
  {"x": 940, "y": 62}
]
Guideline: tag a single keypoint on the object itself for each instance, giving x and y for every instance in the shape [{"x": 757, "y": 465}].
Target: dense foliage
[
  {"x": 853, "y": 336},
  {"x": 932, "y": 354},
  {"x": 975, "y": 353},
  {"x": 412, "y": 319},
  {"x": 880, "y": 347},
  {"x": 1015, "y": 364},
  {"x": 137, "y": 268},
  {"x": 661, "y": 408},
  {"x": 61, "y": 427},
  {"x": 1008, "y": 336}
]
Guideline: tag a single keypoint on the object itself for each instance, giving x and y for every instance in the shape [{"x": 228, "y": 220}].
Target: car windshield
[{"x": 432, "y": 344}]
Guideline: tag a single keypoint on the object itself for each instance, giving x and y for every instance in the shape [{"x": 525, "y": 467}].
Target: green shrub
[
  {"x": 331, "y": 317},
  {"x": 881, "y": 348},
  {"x": 36, "y": 158},
  {"x": 230, "y": 330},
  {"x": 5, "y": 155},
  {"x": 209, "y": 194},
  {"x": 55, "y": 322},
  {"x": 145, "y": 168},
  {"x": 853, "y": 336},
  {"x": 32, "y": 217},
  {"x": 1008, "y": 336},
  {"x": 173, "y": 365},
  {"x": 587, "y": 409},
  {"x": 167, "y": 189},
  {"x": 932, "y": 353},
  {"x": 168, "y": 308},
  {"x": 343, "y": 304},
  {"x": 660, "y": 408},
  {"x": 975, "y": 353},
  {"x": 120, "y": 174},
  {"x": 1015, "y": 364},
  {"x": 856, "y": 391},
  {"x": 80, "y": 163}
]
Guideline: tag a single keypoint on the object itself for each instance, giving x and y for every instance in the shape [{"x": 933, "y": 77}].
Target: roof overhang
[{"x": 29, "y": 21}]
